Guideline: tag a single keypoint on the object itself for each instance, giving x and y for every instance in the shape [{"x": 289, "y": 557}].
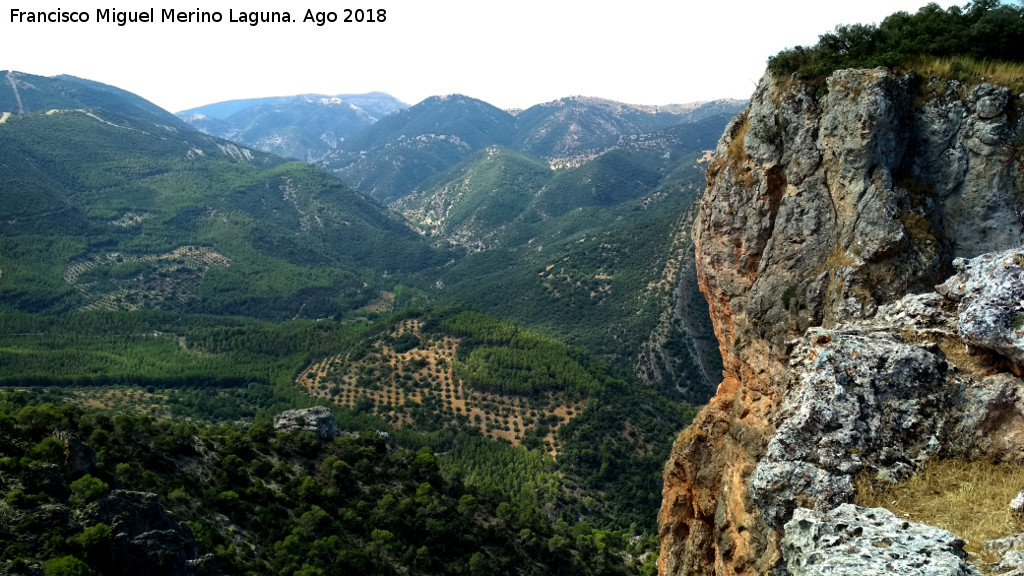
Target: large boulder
[
  {"x": 318, "y": 420},
  {"x": 860, "y": 400},
  {"x": 854, "y": 541},
  {"x": 990, "y": 292}
]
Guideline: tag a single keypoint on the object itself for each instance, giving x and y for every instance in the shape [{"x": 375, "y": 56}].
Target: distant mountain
[
  {"x": 591, "y": 248},
  {"x": 25, "y": 93},
  {"x": 593, "y": 252},
  {"x": 304, "y": 127},
  {"x": 566, "y": 217},
  {"x": 400, "y": 154},
  {"x": 498, "y": 188},
  {"x": 377, "y": 104},
  {"x": 477, "y": 199},
  {"x": 699, "y": 111},
  {"x": 389, "y": 159},
  {"x": 577, "y": 125},
  {"x": 600, "y": 274},
  {"x": 114, "y": 211}
]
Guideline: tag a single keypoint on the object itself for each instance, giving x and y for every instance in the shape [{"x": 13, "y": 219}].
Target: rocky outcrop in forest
[{"x": 827, "y": 224}]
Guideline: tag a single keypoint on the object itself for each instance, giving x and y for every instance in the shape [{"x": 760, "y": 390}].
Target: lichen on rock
[
  {"x": 318, "y": 420},
  {"x": 854, "y": 541},
  {"x": 860, "y": 401},
  {"x": 990, "y": 293}
]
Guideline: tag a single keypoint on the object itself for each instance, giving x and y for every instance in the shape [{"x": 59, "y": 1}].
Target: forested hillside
[
  {"x": 592, "y": 256},
  {"x": 90, "y": 493},
  {"x": 124, "y": 214},
  {"x": 453, "y": 374},
  {"x": 566, "y": 216},
  {"x": 610, "y": 437},
  {"x": 164, "y": 293}
]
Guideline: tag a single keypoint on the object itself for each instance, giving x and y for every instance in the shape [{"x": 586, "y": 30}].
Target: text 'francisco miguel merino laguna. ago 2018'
[{"x": 125, "y": 17}]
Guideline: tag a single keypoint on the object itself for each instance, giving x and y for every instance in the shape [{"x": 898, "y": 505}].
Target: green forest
[
  {"x": 163, "y": 293},
  {"x": 256, "y": 501},
  {"x": 158, "y": 348},
  {"x": 219, "y": 374},
  {"x": 984, "y": 30},
  {"x": 184, "y": 223}
]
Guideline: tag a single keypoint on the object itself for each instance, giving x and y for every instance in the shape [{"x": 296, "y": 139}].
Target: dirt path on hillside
[{"x": 14, "y": 86}]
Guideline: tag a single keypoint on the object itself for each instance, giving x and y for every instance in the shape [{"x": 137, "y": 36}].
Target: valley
[
  {"x": 492, "y": 314},
  {"x": 340, "y": 333}
]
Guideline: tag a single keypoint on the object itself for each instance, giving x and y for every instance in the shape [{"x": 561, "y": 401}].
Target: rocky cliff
[{"x": 824, "y": 211}]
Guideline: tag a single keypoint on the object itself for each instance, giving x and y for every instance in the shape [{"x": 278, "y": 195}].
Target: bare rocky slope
[{"x": 826, "y": 227}]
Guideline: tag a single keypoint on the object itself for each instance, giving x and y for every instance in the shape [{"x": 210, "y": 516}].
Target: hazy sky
[{"x": 511, "y": 54}]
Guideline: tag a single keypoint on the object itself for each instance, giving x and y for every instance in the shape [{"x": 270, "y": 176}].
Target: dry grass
[
  {"x": 969, "y": 498},
  {"x": 918, "y": 226},
  {"x": 838, "y": 258},
  {"x": 735, "y": 149},
  {"x": 966, "y": 70}
]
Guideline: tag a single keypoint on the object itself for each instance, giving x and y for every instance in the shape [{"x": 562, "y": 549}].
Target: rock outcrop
[
  {"x": 147, "y": 540},
  {"x": 851, "y": 408},
  {"x": 869, "y": 542},
  {"x": 823, "y": 213},
  {"x": 318, "y": 420},
  {"x": 990, "y": 291},
  {"x": 80, "y": 458}
]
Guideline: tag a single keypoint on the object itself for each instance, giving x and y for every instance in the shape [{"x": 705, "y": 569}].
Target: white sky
[{"x": 511, "y": 54}]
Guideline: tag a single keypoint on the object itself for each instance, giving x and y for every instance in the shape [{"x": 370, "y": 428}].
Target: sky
[{"x": 511, "y": 54}]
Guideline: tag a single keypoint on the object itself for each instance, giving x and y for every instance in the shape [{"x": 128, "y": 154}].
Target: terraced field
[
  {"x": 400, "y": 383},
  {"x": 116, "y": 281}
]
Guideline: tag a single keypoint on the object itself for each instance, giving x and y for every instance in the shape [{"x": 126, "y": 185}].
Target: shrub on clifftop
[{"x": 982, "y": 30}]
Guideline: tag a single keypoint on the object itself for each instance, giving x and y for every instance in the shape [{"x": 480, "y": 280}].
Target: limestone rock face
[
  {"x": 318, "y": 420},
  {"x": 826, "y": 212},
  {"x": 990, "y": 290},
  {"x": 851, "y": 409},
  {"x": 854, "y": 541}
]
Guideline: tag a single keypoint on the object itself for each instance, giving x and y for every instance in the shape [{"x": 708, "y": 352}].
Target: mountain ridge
[
  {"x": 393, "y": 158},
  {"x": 121, "y": 196},
  {"x": 22, "y": 93}
]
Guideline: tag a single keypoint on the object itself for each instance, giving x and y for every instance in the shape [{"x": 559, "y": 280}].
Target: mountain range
[
  {"x": 518, "y": 193},
  {"x": 587, "y": 246},
  {"x": 537, "y": 308},
  {"x": 304, "y": 127}
]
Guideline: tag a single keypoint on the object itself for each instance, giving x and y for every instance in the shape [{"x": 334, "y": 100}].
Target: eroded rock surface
[
  {"x": 854, "y": 541},
  {"x": 318, "y": 420},
  {"x": 826, "y": 212},
  {"x": 990, "y": 291},
  {"x": 853, "y": 407}
]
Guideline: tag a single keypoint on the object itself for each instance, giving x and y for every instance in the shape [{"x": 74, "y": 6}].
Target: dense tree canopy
[
  {"x": 983, "y": 30},
  {"x": 266, "y": 502}
]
